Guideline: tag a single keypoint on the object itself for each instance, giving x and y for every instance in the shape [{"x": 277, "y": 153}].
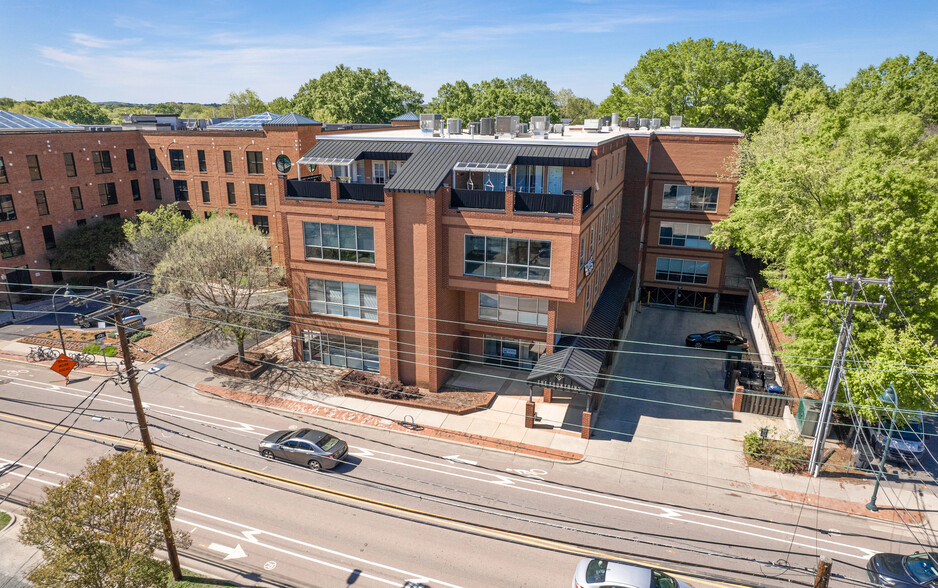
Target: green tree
[
  {"x": 709, "y": 83},
  {"x": 100, "y": 528},
  {"x": 149, "y": 236},
  {"x": 246, "y": 103},
  {"x": 220, "y": 265},
  {"x": 817, "y": 194},
  {"x": 7, "y": 103},
  {"x": 280, "y": 105},
  {"x": 73, "y": 109},
  {"x": 524, "y": 96},
  {"x": 897, "y": 85},
  {"x": 87, "y": 248},
  {"x": 355, "y": 95},
  {"x": 574, "y": 107}
]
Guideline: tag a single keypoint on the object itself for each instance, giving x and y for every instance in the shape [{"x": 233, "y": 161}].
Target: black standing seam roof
[
  {"x": 581, "y": 361},
  {"x": 429, "y": 163}
]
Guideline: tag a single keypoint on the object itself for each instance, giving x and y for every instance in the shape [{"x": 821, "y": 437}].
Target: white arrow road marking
[
  {"x": 249, "y": 535},
  {"x": 360, "y": 452},
  {"x": 456, "y": 458},
  {"x": 669, "y": 513},
  {"x": 230, "y": 552}
]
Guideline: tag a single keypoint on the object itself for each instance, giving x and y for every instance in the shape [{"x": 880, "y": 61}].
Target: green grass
[
  {"x": 4, "y": 520},
  {"x": 193, "y": 580}
]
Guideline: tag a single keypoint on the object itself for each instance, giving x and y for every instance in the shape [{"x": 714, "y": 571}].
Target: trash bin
[{"x": 807, "y": 416}]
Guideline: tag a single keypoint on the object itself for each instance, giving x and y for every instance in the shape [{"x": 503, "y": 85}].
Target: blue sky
[{"x": 200, "y": 51}]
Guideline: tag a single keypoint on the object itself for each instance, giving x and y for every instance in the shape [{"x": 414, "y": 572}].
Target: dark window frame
[
  {"x": 255, "y": 161},
  {"x": 131, "y": 160},
  {"x": 157, "y": 189},
  {"x": 203, "y": 167},
  {"x": 232, "y": 196},
  {"x": 3, "y": 172},
  {"x": 11, "y": 245},
  {"x": 135, "y": 189},
  {"x": 107, "y": 193},
  {"x": 48, "y": 235},
  {"x": 263, "y": 225},
  {"x": 102, "y": 162},
  {"x": 77, "y": 203},
  {"x": 229, "y": 165},
  {"x": 70, "y": 170},
  {"x": 154, "y": 162},
  {"x": 206, "y": 196},
  {"x": 7, "y": 208},
  {"x": 35, "y": 170},
  {"x": 181, "y": 190},
  {"x": 177, "y": 160},
  {"x": 258, "y": 193},
  {"x": 42, "y": 203}
]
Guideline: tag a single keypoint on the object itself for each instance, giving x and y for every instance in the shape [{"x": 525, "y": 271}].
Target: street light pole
[
  {"x": 55, "y": 313},
  {"x": 888, "y": 396}
]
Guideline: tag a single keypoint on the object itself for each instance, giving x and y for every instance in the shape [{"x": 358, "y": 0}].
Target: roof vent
[
  {"x": 487, "y": 126},
  {"x": 676, "y": 121},
  {"x": 474, "y": 129},
  {"x": 615, "y": 119}
]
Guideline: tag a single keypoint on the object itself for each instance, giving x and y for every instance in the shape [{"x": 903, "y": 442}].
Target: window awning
[
  {"x": 472, "y": 166},
  {"x": 326, "y": 161}
]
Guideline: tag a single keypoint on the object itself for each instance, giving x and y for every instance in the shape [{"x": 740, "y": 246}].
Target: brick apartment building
[{"x": 415, "y": 249}]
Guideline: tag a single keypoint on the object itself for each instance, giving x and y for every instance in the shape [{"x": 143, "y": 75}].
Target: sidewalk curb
[
  {"x": 378, "y": 422},
  {"x": 10, "y": 525}
]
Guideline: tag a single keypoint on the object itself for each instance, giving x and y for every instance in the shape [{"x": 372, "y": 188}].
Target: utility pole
[
  {"x": 840, "y": 351},
  {"x": 145, "y": 437},
  {"x": 823, "y": 575}
]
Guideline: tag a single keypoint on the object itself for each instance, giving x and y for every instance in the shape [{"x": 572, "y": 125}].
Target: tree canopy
[
  {"x": 899, "y": 84},
  {"x": 710, "y": 83},
  {"x": 246, "y": 103},
  {"x": 220, "y": 265},
  {"x": 355, "y": 96},
  {"x": 827, "y": 187},
  {"x": 88, "y": 247},
  {"x": 100, "y": 528},
  {"x": 573, "y": 107},
  {"x": 524, "y": 96},
  {"x": 280, "y": 105},
  {"x": 73, "y": 109},
  {"x": 149, "y": 236}
]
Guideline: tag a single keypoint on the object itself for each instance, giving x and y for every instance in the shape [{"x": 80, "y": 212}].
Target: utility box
[{"x": 807, "y": 416}]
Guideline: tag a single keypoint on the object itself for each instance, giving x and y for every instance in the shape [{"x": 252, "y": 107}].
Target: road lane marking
[{"x": 235, "y": 552}]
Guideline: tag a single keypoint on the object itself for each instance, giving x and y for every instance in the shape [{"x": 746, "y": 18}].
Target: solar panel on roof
[
  {"x": 255, "y": 121},
  {"x": 12, "y": 120}
]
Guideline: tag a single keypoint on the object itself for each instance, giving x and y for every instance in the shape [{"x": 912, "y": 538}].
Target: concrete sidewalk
[{"x": 704, "y": 452}]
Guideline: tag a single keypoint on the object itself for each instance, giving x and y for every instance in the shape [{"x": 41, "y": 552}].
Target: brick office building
[{"x": 416, "y": 250}]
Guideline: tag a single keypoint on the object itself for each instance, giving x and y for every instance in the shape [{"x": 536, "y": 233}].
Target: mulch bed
[{"x": 382, "y": 389}]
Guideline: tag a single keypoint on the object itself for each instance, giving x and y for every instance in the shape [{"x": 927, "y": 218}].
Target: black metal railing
[
  {"x": 306, "y": 189},
  {"x": 587, "y": 198},
  {"x": 546, "y": 203},
  {"x": 480, "y": 199},
  {"x": 361, "y": 192}
]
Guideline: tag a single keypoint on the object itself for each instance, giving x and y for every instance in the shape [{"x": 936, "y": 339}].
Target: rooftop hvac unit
[
  {"x": 540, "y": 124},
  {"x": 643, "y": 123},
  {"x": 592, "y": 125},
  {"x": 502, "y": 125},
  {"x": 676, "y": 121},
  {"x": 607, "y": 120},
  {"x": 631, "y": 122},
  {"x": 558, "y": 128},
  {"x": 655, "y": 124},
  {"x": 431, "y": 123},
  {"x": 566, "y": 121},
  {"x": 523, "y": 128},
  {"x": 454, "y": 126},
  {"x": 487, "y": 126}
]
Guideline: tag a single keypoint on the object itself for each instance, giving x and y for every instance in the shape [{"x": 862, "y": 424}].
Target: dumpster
[{"x": 807, "y": 416}]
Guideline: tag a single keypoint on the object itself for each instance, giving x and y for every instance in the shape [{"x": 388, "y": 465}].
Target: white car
[{"x": 601, "y": 573}]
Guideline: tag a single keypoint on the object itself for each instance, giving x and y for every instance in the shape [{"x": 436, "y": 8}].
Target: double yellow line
[{"x": 380, "y": 505}]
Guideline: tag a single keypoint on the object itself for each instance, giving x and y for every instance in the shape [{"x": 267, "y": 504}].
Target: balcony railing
[
  {"x": 546, "y": 203},
  {"x": 479, "y": 199},
  {"x": 587, "y": 198},
  {"x": 361, "y": 192},
  {"x": 308, "y": 189}
]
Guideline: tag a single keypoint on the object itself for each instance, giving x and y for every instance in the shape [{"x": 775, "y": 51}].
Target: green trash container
[{"x": 807, "y": 417}]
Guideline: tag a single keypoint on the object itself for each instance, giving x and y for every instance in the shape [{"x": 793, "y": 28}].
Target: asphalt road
[{"x": 405, "y": 508}]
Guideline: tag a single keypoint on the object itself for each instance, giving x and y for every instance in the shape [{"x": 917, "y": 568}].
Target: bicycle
[
  {"x": 36, "y": 354},
  {"x": 83, "y": 359}
]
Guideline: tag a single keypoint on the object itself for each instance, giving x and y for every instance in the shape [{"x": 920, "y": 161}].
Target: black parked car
[
  {"x": 715, "y": 340},
  {"x": 307, "y": 447},
  {"x": 903, "y": 571}
]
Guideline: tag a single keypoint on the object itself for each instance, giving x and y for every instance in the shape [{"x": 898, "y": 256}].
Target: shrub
[
  {"x": 786, "y": 454},
  {"x": 142, "y": 334},
  {"x": 109, "y": 351},
  {"x": 93, "y": 349}
]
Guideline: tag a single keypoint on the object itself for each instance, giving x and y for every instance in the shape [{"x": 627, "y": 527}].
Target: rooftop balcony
[
  {"x": 318, "y": 190},
  {"x": 523, "y": 202}
]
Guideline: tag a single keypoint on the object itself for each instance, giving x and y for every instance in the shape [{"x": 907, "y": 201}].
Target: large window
[
  {"x": 231, "y": 193},
  {"x": 229, "y": 168},
  {"x": 696, "y": 198},
  {"x": 338, "y": 350},
  {"x": 48, "y": 235},
  {"x": 513, "y": 309},
  {"x": 513, "y": 259},
  {"x": 76, "y": 198},
  {"x": 202, "y": 167},
  {"x": 131, "y": 160},
  {"x": 157, "y": 189},
  {"x": 107, "y": 193},
  {"x": 255, "y": 162},
  {"x": 539, "y": 179},
  {"x": 177, "y": 160},
  {"x": 181, "y": 190},
  {"x": 154, "y": 164},
  {"x": 258, "y": 194},
  {"x": 206, "y": 197},
  {"x": 32, "y": 162},
  {"x": 339, "y": 242},
  {"x": 102, "y": 161},
  {"x": 135, "y": 189},
  {"x": 511, "y": 353},
  {"x": 343, "y": 299},
  {"x": 7, "y": 209},
  {"x": 261, "y": 223},
  {"x": 684, "y": 235},
  {"x": 688, "y": 271},
  {"x": 70, "y": 170},
  {"x": 3, "y": 172},
  {"x": 42, "y": 205},
  {"x": 11, "y": 245}
]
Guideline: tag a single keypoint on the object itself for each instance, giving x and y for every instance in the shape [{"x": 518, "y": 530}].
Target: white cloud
[{"x": 99, "y": 43}]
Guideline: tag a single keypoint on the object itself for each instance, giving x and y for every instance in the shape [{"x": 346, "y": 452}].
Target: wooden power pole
[
  {"x": 145, "y": 437},
  {"x": 823, "y": 572}
]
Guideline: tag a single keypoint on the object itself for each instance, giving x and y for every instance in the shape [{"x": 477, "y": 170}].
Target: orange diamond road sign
[{"x": 63, "y": 365}]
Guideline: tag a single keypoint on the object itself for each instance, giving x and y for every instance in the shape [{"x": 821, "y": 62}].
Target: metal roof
[
  {"x": 11, "y": 121},
  {"x": 430, "y": 162},
  {"x": 253, "y": 122},
  {"x": 292, "y": 120},
  {"x": 407, "y": 116},
  {"x": 578, "y": 365}
]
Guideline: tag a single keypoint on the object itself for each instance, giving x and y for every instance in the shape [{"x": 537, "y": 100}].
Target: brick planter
[{"x": 253, "y": 366}]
